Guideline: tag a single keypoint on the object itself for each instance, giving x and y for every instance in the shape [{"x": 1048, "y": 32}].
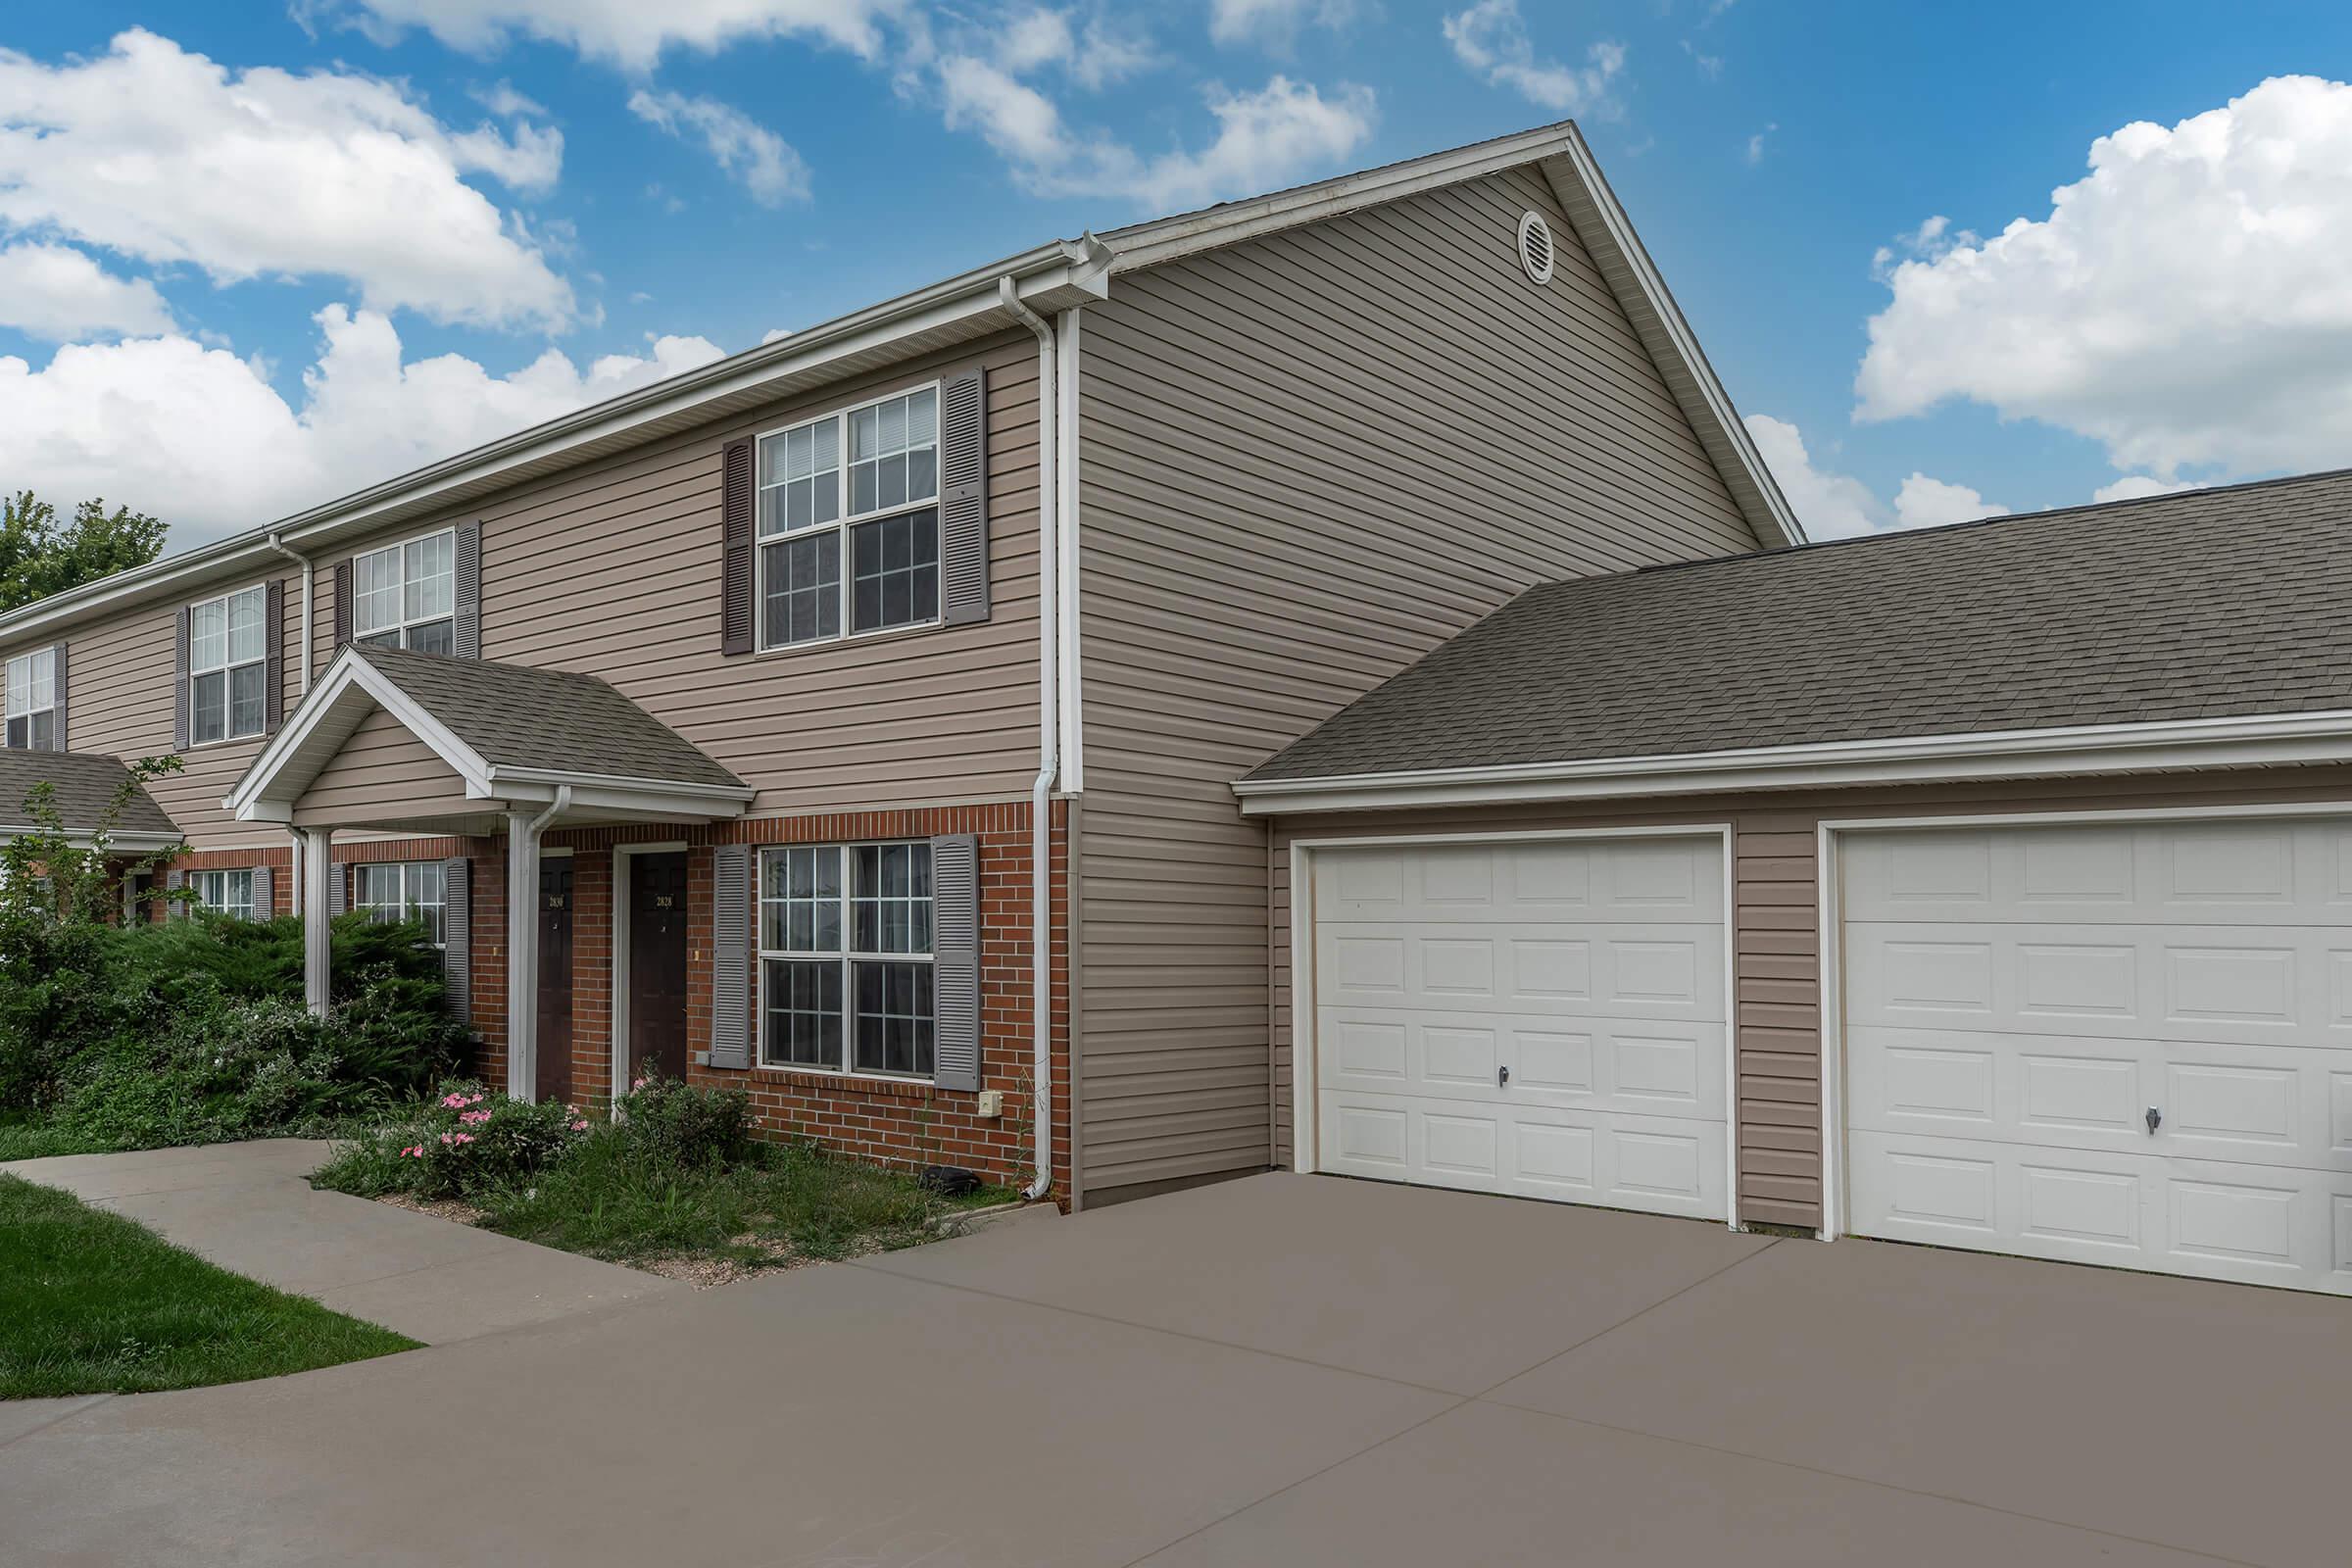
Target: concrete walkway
[
  {"x": 250, "y": 1208},
  {"x": 1284, "y": 1370}
]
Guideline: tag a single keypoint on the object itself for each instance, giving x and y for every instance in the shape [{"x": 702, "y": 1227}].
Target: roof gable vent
[{"x": 1535, "y": 246}]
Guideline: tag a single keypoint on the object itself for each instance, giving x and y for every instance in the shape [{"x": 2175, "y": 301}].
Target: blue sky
[{"x": 452, "y": 189}]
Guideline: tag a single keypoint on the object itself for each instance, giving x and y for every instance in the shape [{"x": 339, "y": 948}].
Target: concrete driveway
[{"x": 1284, "y": 1370}]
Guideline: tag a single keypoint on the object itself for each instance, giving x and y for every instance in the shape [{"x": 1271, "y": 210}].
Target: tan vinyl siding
[
  {"x": 1776, "y": 930},
  {"x": 382, "y": 769},
  {"x": 120, "y": 674},
  {"x": 1306, "y": 461}
]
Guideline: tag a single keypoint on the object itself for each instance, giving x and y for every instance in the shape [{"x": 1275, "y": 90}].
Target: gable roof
[
  {"x": 966, "y": 308},
  {"x": 84, "y": 785},
  {"x": 2182, "y": 608},
  {"x": 511, "y": 734}
]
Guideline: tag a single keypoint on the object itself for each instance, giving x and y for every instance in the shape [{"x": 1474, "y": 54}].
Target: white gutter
[
  {"x": 2253, "y": 739},
  {"x": 1048, "y": 742},
  {"x": 309, "y": 592}
]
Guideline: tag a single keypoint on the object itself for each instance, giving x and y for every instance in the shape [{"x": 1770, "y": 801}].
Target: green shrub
[
  {"x": 668, "y": 1125},
  {"x": 461, "y": 1144}
]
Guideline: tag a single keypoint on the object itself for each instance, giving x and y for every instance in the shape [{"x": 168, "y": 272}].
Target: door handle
[
  {"x": 1502, "y": 1076},
  {"x": 2155, "y": 1120}
]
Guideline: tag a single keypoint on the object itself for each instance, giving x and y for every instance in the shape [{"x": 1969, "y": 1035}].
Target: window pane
[
  {"x": 434, "y": 637},
  {"x": 430, "y": 567},
  {"x": 208, "y": 635},
  {"x": 375, "y": 592},
  {"x": 802, "y": 999},
  {"x": 894, "y": 571},
  {"x": 44, "y": 730},
  {"x": 862, "y": 488},
  {"x": 893, "y": 1019},
  {"x": 245, "y": 625},
  {"x": 248, "y": 712},
  {"x": 208, "y": 707},
  {"x": 922, "y": 417},
  {"x": 804, "y": 590},
  {"x": 800, "y": 901},
  {"x": 20, "y": 733},
  {"x": 381, "y": 639},
  {"x": 890, "y": 900}
]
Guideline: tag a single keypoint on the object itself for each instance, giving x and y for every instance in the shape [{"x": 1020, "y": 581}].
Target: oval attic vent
[{"x": 1535, "y": 246}]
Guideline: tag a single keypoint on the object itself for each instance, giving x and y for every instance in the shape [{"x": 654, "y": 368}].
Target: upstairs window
[
  {"x": 229, "y": 893},
  {"x": 406, "y": 595},
  {"x": 844, "y": 958},
  {"x": 31, "y": 680},
  {"x": 848, "y": 523},
  {"x": 228, "y": 668},
  {"x": 408, "y": 890}
]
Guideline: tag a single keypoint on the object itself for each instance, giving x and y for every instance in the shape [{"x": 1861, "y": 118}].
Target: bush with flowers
[{"x": 463, "y": 1142}]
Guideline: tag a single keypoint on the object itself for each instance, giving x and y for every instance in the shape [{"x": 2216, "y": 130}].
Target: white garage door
[
  {"x": 2126, "y": 1045},
  {"x": 1538, "y": 1018}
]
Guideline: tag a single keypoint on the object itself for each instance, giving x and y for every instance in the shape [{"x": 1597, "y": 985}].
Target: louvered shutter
[
  {"x": 273, "y": 660},
  {"x": 174, "y": 881},
  {"x": 955, "y": 961},
  {"x": 338, "y": 889},
  {"x": 469, "y": 590},
  {"x": 457, "y": 947},
  {"x": 179, "y": 683},
  {"x": 342, "y": 605},
  {"x": 57, "y": 735},
  {"x": 731, "y": 957},
  {"x": 964, "y": 498},
  {"x": 264, "y": 894},
  {"x": 735, "y": 527}
]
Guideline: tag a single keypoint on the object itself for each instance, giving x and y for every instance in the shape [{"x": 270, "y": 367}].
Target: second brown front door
[
  {"x": 658, "y": 963},
  {"x": 554, "y": 978}
]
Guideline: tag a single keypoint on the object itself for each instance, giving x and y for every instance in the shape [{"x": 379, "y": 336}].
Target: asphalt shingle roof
[
  {"x": 84, "y": 784},
  {"x": 2205, "y": 604},
  {"x": 514, "y": 717}
]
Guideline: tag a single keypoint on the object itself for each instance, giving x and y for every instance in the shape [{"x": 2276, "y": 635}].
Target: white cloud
[
  {"x": 1925, "y": 503},
  {"x": 2140, "y": 486},
  {"x": 503, "y": 100},
  {"x": 1490, "y": 39},
  {"x": 2186, "y": 303},
  {"x": 163, "y": 155},
  {"x": 758, "y": 159},
  {"x": 1090, "y": 49},
  {"x": 200, "y": 438},
  {"x": 1275, "y": 24},
  {"x": 1265, "y": 139},
  {"x": 630, "y": 33},
  {"x": 1755, "y": 143},
  {"x": 58, "y": 293}
]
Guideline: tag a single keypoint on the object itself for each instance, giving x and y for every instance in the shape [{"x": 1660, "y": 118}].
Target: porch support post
[
  {"x": 522, "y": 954},
  {"x": 318, "y": 942}
]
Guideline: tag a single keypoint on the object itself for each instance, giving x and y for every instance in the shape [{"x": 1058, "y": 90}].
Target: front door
[
  {"x": 555, "y": 979},
  {"x": 658, "y": 963}
]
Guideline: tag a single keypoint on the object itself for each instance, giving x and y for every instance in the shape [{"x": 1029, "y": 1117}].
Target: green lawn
[{"x": 91, "y": 1302}]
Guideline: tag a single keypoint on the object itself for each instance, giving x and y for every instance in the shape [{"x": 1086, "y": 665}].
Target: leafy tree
[{"x": 40, "y": 556}]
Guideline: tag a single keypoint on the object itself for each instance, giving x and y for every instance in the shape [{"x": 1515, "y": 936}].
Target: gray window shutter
[
  {"x": 174, "y": 881},
  {"x": 338, "y": 889},
  {"x": 955, "y": 961},
  {"x": 264, "y": 894},
  {"x": 731, "y": 957},
  {"x": 180, "y": 684},
  {"x": 57, "y": 740},
  {"x": 273, "y": 658},
  {"x": 456, "y": 949},
  {"x": 735, "y": 527},
  {"x": 342, "y": 605},
  {"x": 469, "y": 590},
  {"x": 964, "y": 498}
]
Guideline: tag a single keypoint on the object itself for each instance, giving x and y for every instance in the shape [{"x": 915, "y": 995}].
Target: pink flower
[
  {"x": 415, "y": 1150},
  {"x": 473, "y": 1118},
  {"x": 454, "y": 1102},
  {"x": 639, "y": 1084},
  {"x": 473, "y": 1100},
  {"x": 580, "y": 1126},
  {"x": 456, "y": 1138}
]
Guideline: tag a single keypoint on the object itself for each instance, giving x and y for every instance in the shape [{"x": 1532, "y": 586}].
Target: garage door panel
[
  {"x": 1637, "y": 1066},
  {"x": 1580, "y": 969},
  {"x": 1669, "y": 879}
]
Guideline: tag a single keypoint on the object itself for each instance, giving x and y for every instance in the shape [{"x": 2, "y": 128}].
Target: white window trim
[
  {"x": 227, "y": 671},
  {"x": 840, "y": 527},
  {"x": 196, "y": 883},
  {"x": 847, "y": 958},
  {"x": 28, "y": 713},
  {"x": 400, "y": 548},
  {"x": 409, "y": 904}
]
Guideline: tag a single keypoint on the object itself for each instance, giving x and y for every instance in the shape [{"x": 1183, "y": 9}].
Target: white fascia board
[
  {"x": 256, "y": 796},
  {"x": 2258, "y": 740},
  {"x": 605, "y": 792},
  {"x": 132, "y": 843}
]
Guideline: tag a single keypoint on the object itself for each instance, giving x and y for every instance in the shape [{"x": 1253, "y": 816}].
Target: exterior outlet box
[{"x": 992, "y": 1101}]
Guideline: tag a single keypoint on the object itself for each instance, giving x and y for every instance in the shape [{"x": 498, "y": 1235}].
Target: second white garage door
[
  {"x": 1543, "y": 1018},
  {"x": 2125, "y": 1043}
]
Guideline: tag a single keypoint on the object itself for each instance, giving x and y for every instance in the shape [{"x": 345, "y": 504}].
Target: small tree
[{"x": 40, "y": 556}]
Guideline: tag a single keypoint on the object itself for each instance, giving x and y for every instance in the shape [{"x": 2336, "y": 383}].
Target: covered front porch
[{"x": 460, "y": 770}]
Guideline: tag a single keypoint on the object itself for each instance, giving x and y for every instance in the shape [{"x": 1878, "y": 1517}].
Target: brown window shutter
[
  {"x": 342, "y": 605},
  {"x": 57, "y": 736},
  {"x": 955, "y": 961},
  {"x": 338, "y": 888},
  {"x": 456, "y": 947},
  {"x": 264, "y": 894},
  {"x": 469, "y": 591},
  {"x": 731, "y": 956},
  {"x": 174, "y": 881},
  {"x": 735, "y": 521},
  {"x": 964, "y": 498},
  {"x": 180, "y": 684},
  {"x": 273, "y": 658}
]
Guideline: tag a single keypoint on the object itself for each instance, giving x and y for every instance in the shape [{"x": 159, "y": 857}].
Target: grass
[
  {"x": 36, "y": 1140},
  {"x": 91, "y": 1302}
]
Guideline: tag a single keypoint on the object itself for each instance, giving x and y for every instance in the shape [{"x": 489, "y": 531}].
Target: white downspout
[
  {"x": 301, "y": 883},
  {"x": 1049, "y": 743}
]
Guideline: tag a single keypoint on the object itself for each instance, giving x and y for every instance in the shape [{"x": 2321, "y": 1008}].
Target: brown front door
[
  {"x": 658, "y": 963},
  {"x": 554, "y": 978}
]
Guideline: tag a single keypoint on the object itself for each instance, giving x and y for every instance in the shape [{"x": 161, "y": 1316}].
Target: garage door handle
[
  {"x": 2155, "y": 1120},
  {"x": 1502, "y": 1075}
]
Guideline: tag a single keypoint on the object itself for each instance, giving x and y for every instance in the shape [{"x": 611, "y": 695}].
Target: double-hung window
[
  {"x": 229, "y": 666},
  {"x": 404, "y": 889},
  {"x": 844, "y": 958},
  {"x": 33, "y": 701},
  {"x": 406, "y": 596},
  {"x": 848, "y": 523},
  {"x": 229, "y": 893}
]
